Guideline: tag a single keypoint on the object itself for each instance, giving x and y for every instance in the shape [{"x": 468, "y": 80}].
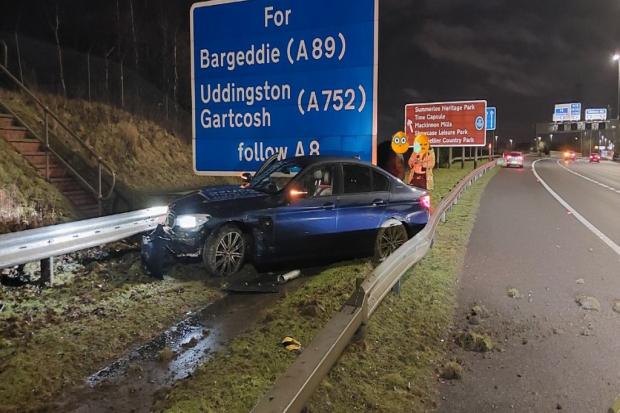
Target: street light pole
[
  {"x": 616, "y": 58},
  {"x": 550, "y": 142}
]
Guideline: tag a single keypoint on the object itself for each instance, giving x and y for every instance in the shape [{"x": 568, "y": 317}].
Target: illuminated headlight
[{"x": 191, "y": 222}]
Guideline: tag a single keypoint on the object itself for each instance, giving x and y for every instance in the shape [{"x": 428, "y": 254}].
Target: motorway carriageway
[{"x": 552, "y": 354}]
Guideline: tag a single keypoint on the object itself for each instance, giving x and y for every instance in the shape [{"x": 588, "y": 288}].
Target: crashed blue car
[{"x": 303, "y": 209}]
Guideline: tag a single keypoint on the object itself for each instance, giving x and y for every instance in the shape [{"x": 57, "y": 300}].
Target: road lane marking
[
  {"x": 594, "y": 181},
  {"x": 615, "y": 247}
]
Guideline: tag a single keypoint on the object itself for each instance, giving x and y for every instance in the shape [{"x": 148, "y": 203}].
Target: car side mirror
[{"x": 246, "y": 177}]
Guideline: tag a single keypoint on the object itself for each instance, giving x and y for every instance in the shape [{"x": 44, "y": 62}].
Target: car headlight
[{"x": 191, "y": 222}]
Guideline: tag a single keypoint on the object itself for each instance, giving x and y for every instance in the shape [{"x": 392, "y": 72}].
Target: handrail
[
  {"x": 36, "y": 135},
  {"x": 293, "y": 388},
  {"x": 49, "y": 113},
  {"x": 5, "y": 54}
]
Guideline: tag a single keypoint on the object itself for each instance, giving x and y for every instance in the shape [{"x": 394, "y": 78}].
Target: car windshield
[
  {"x": 515, "y": 153},
  {"x": 276, "y": 176}
]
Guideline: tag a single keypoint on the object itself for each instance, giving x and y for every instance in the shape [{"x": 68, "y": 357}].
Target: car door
[
  {"x": 305, "y": 226},
  {"x": 361, "y": 208}
]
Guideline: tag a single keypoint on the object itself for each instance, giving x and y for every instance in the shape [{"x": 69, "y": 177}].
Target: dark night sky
[{"x": 523, "y": 56}]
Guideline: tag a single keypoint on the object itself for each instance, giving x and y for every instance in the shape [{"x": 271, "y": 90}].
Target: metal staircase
[{"x": 58, "y": 154}]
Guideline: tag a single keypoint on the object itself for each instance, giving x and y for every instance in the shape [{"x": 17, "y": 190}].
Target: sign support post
[{"x": 475, "y": 157}]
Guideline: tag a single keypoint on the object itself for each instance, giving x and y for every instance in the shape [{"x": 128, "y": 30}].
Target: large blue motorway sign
[
  {"x": 285, "y": 77},
  {"x": 567, "y": 112}
]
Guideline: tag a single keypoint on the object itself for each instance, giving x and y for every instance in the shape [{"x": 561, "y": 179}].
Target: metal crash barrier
[{"x": 45, "y": 243}]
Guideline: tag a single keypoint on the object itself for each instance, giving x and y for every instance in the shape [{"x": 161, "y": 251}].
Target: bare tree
[
  {"x": 107, "y": 71},
  {"x": 175, "y": 85},
  {"x": 19, "y": 58},
  {"x": 122, "y": 85},
  {"x": 133, "y": 34},
  {"x": 55, "y": 27},
  {"x": 135, "y": 47},
  {"x": 88, "y": 72}
]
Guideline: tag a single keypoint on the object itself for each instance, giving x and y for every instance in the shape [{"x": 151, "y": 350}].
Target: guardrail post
[
  {"x": 443, "y": 218},
  {"x": 47, "y": 149},
  {"x": 47, "y": 271},
  {"x": 358, "y": 299},
  {"x": 99, "y": 194},
  {"x": 397, "y": 287}
]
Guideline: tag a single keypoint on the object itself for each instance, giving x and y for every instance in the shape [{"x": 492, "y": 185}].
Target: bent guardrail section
[
  {"x": 293, "y": 389},
  {"x": 51, "y": 241}
]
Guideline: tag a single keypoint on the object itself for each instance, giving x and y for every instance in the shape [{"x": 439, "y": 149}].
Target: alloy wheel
[
  {"x": 229, "y": 252},
  {"x": 391, "y": 239}
]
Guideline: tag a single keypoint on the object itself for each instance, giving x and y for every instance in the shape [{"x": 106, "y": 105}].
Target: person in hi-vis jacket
[{"x": 421, "y": 163}]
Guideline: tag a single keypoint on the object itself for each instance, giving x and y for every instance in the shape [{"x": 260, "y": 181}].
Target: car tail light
[
  {"x": 425, "y": 201},
  {"x": 520, "y": 158}
]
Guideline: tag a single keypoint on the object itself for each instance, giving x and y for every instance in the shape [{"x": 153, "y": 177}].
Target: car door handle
[
  {"x": 329, "y": 205},
  {"x": 378, "y": 202}
]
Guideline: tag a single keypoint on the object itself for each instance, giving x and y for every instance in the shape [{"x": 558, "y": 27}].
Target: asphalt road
[{"x": 551, "y": 353}]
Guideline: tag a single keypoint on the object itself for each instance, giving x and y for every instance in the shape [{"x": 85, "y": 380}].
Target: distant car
[
  {"x": 570, "y": 155},
  {"x": 513, "y": 159},
  {"x": 595, "y": 157},
  {"x": 300, "y": 209}
]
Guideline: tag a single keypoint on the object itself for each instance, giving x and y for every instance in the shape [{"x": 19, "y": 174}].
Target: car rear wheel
[
  {"x": 389, "y": 239},
  {"x": 224, "y": 251}
]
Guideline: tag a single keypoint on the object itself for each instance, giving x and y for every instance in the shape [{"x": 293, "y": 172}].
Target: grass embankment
[
  {"x": 54, "y": 338},
  {"x": 236, "y": 378},
  {"x": 145, "y": 156},
  {"x": 26, "y": 199},
  {"x": 397, "y": 366}
]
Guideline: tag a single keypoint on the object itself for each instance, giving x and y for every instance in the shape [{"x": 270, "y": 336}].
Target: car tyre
[
  {"x": 388, "y": 240},
  {"x": 224, "y": 251}
]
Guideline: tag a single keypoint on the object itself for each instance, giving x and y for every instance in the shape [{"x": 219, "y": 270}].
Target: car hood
[{"x": 229, "y": 199}]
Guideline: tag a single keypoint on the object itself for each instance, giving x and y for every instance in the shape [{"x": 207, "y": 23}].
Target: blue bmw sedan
[{"x": 300, "y": 209}]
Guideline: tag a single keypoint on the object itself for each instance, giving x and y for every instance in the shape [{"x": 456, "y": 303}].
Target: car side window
[
  {"x": 380, "y": 183},
  {"x": 356, "y": 179},
  {"x": 319, "y": 181}
]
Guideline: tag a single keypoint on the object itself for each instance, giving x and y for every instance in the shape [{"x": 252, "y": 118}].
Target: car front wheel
[
  {"x": 224, "y": 251},
  {"x": 389, "y": 239}
]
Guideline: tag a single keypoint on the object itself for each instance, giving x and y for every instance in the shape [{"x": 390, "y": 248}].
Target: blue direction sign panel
[
  {"x": 291, "y": 78},
  {"x": 491, "y": 118}
]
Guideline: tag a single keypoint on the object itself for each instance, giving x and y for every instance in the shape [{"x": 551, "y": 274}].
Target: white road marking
[
  {"x": 594, "y": 181},
  {"x": 615, "y": 247}
]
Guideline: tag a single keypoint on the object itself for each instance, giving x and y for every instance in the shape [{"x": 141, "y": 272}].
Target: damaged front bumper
[{"x": 161, "y": 247}]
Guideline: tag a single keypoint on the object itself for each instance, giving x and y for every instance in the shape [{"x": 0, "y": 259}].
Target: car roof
[{"x": 315, "y": 159}]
